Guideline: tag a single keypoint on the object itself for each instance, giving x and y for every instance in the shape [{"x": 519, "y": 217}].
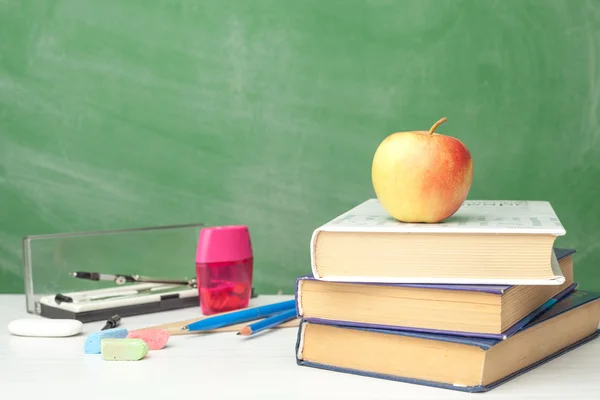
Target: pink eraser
[
  {"x": 156, "y": 339},
  {"x": 223, "y": 243}
]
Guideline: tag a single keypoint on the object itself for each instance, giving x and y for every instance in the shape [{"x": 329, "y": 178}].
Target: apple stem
[{"x": 434, "y": 127}]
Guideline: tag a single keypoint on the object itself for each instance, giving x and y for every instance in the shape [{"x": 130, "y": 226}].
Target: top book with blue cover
[{"x": 495, "y": 242}]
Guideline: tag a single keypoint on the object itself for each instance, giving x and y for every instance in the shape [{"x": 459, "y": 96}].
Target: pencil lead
[{"x": 185, "y": 328}]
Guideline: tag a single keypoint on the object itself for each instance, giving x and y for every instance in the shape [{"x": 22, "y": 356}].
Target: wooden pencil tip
[{"x": 245, "y": 331}]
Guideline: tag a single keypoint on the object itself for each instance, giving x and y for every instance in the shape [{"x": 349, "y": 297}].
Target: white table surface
[{"x": 227, "y": 366}]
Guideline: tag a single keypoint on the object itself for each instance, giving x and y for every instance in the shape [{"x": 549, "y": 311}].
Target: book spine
[
  {"x": 300, "y": 340},
  {"x": 298, "y": 297},
  {"x": 313, "y": 261}
]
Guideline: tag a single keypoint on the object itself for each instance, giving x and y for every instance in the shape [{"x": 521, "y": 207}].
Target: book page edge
[
  {"x": 556, "y": 280},
  {"x": 299, "y": 354}
]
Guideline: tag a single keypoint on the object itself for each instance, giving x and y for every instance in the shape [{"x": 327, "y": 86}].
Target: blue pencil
[
  {"x": 267, "y": 323},
  {"x": 236, "y": 317}
]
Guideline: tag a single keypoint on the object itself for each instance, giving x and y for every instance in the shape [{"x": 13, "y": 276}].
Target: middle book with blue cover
[{"x": 487, "y": 311}]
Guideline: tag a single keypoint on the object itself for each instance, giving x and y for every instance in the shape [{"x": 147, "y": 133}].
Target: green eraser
[{"x": 123, "y": 349}]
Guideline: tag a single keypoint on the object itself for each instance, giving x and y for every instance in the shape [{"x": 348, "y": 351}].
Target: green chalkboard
[{"x": 122, "y": 114}]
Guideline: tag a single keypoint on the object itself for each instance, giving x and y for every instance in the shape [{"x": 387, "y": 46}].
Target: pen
[
  {"x": 237, "y": 317},
  {"x": 267, "y": 323},
  {"x": 112, "y": 322},
  {"x": 125, "y": 294}
]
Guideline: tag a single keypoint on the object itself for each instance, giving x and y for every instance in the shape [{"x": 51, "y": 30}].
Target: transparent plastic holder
[{"x": 164, "y": 252}]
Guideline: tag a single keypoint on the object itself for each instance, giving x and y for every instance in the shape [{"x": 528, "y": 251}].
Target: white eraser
[{"x": 45, "y": 327}]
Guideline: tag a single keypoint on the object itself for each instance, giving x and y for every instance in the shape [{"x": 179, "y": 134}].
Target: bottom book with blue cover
[{"x": 450, "y": 361}]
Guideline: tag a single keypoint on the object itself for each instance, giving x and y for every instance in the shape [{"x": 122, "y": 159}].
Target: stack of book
[{"x": 465, "y": 304}]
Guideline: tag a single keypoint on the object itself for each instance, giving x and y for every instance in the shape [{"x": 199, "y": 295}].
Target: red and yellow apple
[{"x": 422, "y": 176}]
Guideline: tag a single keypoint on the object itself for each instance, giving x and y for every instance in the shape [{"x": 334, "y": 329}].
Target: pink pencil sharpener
[{"x": 224, "y": 265}]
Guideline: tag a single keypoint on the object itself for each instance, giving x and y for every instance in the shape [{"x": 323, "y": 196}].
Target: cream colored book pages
[
  {"x": 557, "y": 279},
  {"x": 474, "y": 217}
]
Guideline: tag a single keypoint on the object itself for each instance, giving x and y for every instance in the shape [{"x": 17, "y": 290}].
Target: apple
[{"x": 422, "y": 176}]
